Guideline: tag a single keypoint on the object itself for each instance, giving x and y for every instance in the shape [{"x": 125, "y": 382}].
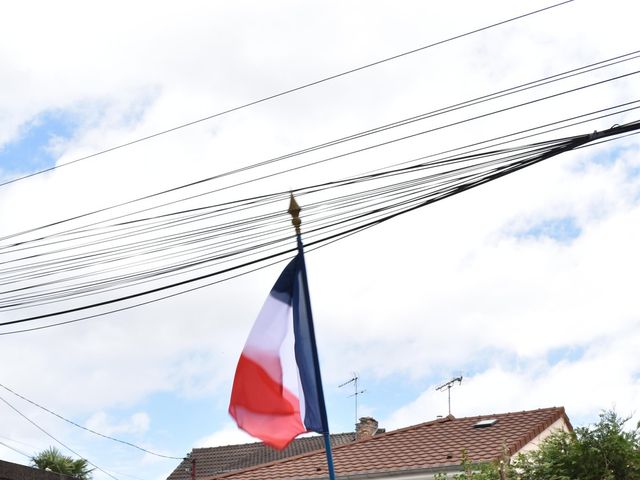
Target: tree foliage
[
  {"x": 470, "y": 471},
  {"x": 604, "y": 451},
  {"x": 52, "y": 459}
]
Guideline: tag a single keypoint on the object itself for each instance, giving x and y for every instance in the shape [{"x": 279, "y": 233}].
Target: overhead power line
[
  {"x": 607, "y": 140},
  {"x": 9, "y": 275},
  {"x": 146, "y": 302},
  {"x": 398, "y": 123},
  {"x": 39, "y": 241},
  {"x": 535, "y": 132},
  {"x": 15, "y": 450},
  {"x": 285, "y": 92},
  {"x": 284, "y": 238},
  {"x": 71, "y": 422},
  {"x": 175, "y": 294},
  {"x": 339, "y": 216},
  {"x": 54, "y": 438}
]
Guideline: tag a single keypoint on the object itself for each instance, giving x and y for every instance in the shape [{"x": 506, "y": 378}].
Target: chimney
[{"x": 366, "y": 428}]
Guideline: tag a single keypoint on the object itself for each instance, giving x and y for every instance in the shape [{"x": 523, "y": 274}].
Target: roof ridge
[
  {"x": 560, "y": 413},
  {"x": 273, "y": 462},
  {"x": 259, "y": 443},
  {"x": 453, "y": 418},
  {"x": 503, "y": 414}
]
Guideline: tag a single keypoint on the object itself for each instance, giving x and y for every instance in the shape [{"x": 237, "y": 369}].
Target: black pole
[{"x": 294, "y": 210}]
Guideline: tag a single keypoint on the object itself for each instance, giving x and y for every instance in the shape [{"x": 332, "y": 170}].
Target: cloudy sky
[{"x": 527, "y": 286}]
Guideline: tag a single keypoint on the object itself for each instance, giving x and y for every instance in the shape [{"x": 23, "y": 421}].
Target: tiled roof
[
  {"x": 213, "y": 461},
  {"x": 430, "y": 445}
]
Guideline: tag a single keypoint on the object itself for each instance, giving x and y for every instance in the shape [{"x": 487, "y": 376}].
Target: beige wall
[{"x": 559, "y": 424}]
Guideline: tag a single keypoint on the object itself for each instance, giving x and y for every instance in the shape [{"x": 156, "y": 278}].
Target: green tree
[
  {"x": 54, "y": 460},
  {"x": 602, "y": 452},
  {"x": 484, "y": 471}
]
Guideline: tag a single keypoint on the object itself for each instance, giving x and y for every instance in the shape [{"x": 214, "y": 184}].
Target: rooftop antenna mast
[
  {"x": 448, "y": 386},
  {"x": 356, "y": 392}
]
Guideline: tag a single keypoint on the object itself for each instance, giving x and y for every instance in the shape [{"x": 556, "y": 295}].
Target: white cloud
[
  {"x": 230, "y": 434},
  {"x": 136, "y": 424},
  {"x": 605, "y": 377},
  {"x": 480, "y": 288}
]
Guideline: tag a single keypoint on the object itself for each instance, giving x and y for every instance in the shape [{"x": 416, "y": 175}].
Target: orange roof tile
[
  {"x": 429, "y": 445},
  {"x": 211, "y": 461}
]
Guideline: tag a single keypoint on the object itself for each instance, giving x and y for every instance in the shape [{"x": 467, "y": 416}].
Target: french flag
[{"x": 276, "y": 389}]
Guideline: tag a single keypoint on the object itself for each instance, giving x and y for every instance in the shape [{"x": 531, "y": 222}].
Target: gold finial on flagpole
[{"x": 294, "y": 211}]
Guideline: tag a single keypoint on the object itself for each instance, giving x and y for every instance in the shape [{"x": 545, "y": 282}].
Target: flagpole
[{"x": 294, "y": 211}]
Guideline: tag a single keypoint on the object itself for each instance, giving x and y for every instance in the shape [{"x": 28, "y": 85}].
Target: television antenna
[
  {"x": 448, "y": 386},
  {"x": 356, "y": 393}
]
